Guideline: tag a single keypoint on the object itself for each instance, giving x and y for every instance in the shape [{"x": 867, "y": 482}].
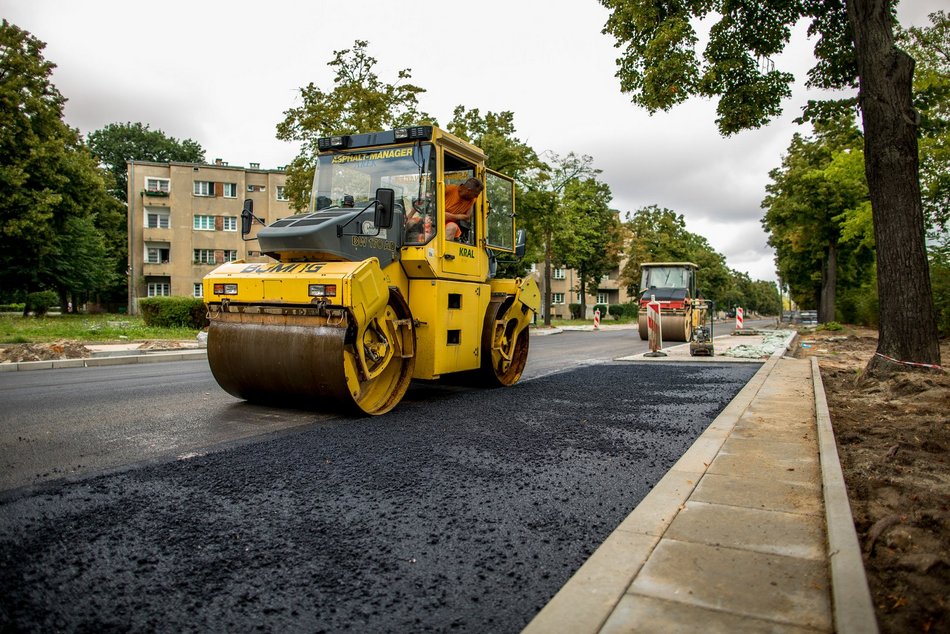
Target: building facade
[
  {"x": 565, "y": 290},
  {"x": 185, "y": 218}
]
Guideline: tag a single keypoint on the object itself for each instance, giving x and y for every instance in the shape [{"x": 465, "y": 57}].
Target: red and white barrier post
[
  {"x": 597, "y": 319},
  {"x": 654, "y": 328},
  {"x": 738, "y": 318}
]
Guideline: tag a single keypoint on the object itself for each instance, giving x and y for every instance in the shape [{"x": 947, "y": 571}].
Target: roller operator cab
[{"x": 387, "y": 278}]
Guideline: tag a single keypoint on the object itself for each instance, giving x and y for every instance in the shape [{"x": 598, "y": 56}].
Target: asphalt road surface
[{"x": 461, "y": 510}]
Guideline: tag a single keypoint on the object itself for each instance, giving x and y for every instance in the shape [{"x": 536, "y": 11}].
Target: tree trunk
[
  {"x": 908, "y": 325},
  {"x": 583, "y": 294},
  {"x": 829, "y": 281},
  {"x": 547, "y": 278}
]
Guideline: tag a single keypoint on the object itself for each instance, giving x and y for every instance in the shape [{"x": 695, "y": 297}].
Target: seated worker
[
  {"x": 415, "y": 220},
  {"x": 348, "y": 201},
  {"x": 459, "y": 203}
]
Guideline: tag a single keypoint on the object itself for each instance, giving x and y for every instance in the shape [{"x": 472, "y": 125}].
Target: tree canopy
[
  {"x": 55, "y": 207},
  {"x": 118, "y": 143},
  {"x": 359, "y": 101}
]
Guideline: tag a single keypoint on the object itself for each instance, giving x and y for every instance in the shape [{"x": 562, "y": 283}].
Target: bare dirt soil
[
  {"x": 12, "y": 353},
  {"x": 893, "y": 440}
]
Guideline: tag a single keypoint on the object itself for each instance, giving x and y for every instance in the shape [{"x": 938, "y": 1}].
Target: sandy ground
[{"x": 893, "y": 440}]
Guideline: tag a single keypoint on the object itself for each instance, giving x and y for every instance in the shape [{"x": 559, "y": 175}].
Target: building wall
[
  {"x": 567, "y": 285},
  {"x": 171, "y": 266}
]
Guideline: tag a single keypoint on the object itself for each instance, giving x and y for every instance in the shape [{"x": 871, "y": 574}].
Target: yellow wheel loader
[{"x": 375, "y": 286}]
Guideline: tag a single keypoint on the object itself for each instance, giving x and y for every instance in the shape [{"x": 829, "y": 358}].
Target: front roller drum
[
  {"x": 673, "y": 327},
  {"x": 315, "y": 362}
]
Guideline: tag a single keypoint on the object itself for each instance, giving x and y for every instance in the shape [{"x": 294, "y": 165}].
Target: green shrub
[
  {"x": 831, "y": 325},
  {"x": 603, "y": 310},
  {"x": 12, "y": 308},
  {"x": 39, "y": 303},
  {"x": 575, "y": 311},
  {"x": 617, "y": 311},
  {"x": 174, "y": 312}
]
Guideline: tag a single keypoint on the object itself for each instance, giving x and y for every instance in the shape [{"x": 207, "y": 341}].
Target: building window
[
  {"x": 282, "y": 193},
  {"x": 156, "y": 289},
  {"x": 158, "y": 185},
  {"x": 230, "y": 255},
  {"x": 199, "y": 290},
  {"x": 559, "y": 274},
  {"x": 204, "y": 223},
  {"x": 204, "y": 188},
  {"x": 157, "y": 218},
  {"x": 157, "y": 253},
  {"x": 557, "y": 298},
  {"x": 229, "y": 223},
  {"x": 230, "y": 190},
  {"x": 204, "y": 256},
  {"x": 602, "y": 298},
  {"x": 256, "y": 188}
]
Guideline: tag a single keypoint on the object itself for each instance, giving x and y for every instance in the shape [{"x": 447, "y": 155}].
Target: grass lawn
[{"x": 84, "y": 328}]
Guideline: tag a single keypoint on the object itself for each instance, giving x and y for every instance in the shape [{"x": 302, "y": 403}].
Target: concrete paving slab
[
  {"x": 647, "y": 615},
  {"x": 762, "y": 493},
  {"x": 770, "y": 532},
  {"x": 788, "y": 590},
  {"x": 757, "y": 458}
]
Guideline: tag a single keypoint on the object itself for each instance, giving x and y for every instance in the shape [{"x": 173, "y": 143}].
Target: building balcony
[
  {"x": 154, "y": 193},
  {"x": 157, "y": 269}
]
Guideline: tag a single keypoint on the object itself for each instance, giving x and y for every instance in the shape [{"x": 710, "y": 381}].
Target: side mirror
[
  {"x": 521, "y": 239},
  {"x": 385, "y": 201},
  {"x": 247, "y": 217}
]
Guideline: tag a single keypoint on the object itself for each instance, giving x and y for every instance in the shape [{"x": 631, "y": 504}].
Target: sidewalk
[{"x": 750, "y": 531}]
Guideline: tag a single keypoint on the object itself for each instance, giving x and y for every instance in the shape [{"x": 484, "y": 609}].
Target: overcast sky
[{"x": 223, "y": 73}]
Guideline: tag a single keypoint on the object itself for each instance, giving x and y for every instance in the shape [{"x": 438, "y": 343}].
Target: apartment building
[
  {"x": 185, "y": 218},
  {"x": 565, "y": 290}
]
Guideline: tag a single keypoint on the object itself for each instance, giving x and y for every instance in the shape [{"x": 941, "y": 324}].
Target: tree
[
  {"x": 358, "y": 102},
  {"x": 819, "y": 186},
  {"x": 930, "y": 48},
  {"x": 542, "y": 211},
  {"x": 53, "y": 189},
  {"x": 660, "y": 235},
  {"x": 855, "y": 46},
  {"x": 592, "y": 245},
  {"x": 118, "y": 143}
]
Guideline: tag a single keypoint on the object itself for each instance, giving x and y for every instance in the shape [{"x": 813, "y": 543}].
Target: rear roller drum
[{"x": 504, "y": 343}]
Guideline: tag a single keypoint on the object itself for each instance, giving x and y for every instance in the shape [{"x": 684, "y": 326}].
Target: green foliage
[
  {"x": 660, "y": 235},
  {"x": 358, "y": 102},
  {"x": 118, "y": 143},
  {"x": 84, "y": 327},
  {"x": 40, "y": 302},
  {"x": 54, "y": 192},
  {"x": 594, "y": 239},
  {"x": 575, "y": 310},
  {"x": 831, "y": 326},
  {"x": 170, "y": 312},
  {"x": 12, "y": 308},
  {"x": 940, "y": 281},
  {"x": 817, "y": 208},
  {"x": 617, "y": 311},
  {"x": 603, "y": 310},
  {"x": 930, "y": 48}
]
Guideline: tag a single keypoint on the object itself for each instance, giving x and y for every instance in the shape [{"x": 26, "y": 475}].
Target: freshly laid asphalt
[{"x": 656, "y": 495}]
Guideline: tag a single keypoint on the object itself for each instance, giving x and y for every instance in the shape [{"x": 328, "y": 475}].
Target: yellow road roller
[
  {"x": 388, "y": 277},
  {"x": 673, "y": 286}
]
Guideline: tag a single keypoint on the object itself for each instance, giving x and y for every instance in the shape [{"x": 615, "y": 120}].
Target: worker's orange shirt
[{"x": 455, "y": 204}]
